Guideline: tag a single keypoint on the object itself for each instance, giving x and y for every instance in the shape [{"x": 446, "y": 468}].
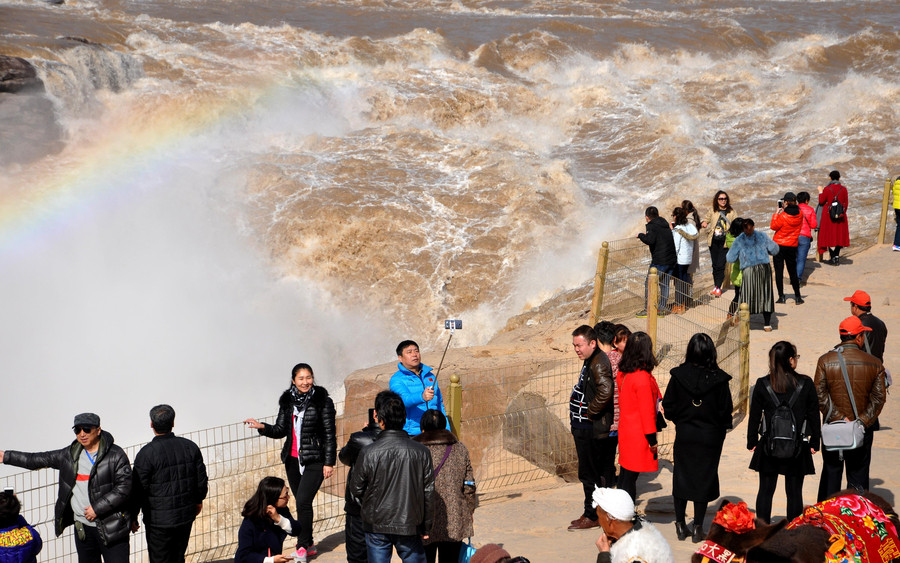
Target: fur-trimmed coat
[{"x": 454, "y": 501}]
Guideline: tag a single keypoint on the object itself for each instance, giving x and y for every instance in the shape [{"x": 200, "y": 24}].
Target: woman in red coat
[
  {"x": 638, "y": 403},
  {"x": 833, "y": 235}
]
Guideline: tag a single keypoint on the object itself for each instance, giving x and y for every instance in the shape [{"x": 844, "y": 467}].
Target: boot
[
  {"x": 682, "y": 531},
  {"x": 698, "y": 535}
]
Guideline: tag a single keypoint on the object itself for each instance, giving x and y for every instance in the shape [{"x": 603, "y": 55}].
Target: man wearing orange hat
[
  {"x": 865, "y": 373},
  {"x": 861, "y": 308}
]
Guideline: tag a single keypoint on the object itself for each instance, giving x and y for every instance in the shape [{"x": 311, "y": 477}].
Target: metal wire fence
[{"x": 516, "y": 426}]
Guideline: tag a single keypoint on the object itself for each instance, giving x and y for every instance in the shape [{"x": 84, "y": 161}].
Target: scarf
[{"x": 301, "y": 400}]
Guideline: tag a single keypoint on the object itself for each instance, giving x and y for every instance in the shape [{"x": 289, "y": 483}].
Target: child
[{"x": 19, "y": 542}]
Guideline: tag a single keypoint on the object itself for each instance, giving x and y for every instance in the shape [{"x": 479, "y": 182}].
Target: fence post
[
  {"x": 882, "y": 225},
  {"x": 599, "y": 282},
  {"x": 455, "y": 405},
  {"x": 745, "y": 355},
  {"x": 652, "y": 300}
]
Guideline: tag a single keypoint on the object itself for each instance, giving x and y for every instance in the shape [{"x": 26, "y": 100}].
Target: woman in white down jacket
[{"x": 684, "y": 233}]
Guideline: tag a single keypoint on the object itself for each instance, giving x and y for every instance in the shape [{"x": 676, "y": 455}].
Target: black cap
[
  {"x": 790, "y": 197},
  {"x": 86, "y": 419}
]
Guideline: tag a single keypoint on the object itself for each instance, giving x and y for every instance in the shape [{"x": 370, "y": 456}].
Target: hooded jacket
[
  {"x": 318, "y": 443},
  {"x": 661, "y": 242},
  {"x": 866, "y": 374},
  {"x": 109, "y": 485},
  {"x": 698, "y": 400},
  {"x": 20, "y": 542},
  {"x": 787, "y": 225}
]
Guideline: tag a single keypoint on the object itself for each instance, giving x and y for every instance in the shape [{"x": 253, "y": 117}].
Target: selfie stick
[{"x": 438, "y": 372}]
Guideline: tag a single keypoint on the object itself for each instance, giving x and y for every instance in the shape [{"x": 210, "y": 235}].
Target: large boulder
[{"x": 17, "y": 74}]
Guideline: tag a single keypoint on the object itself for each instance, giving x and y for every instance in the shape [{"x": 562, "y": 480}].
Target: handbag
[
  {"x": 467, "y": 551},
  {"x": 842, "y": 435}
]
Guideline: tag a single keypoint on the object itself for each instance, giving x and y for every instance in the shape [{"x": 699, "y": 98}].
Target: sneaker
[
  {"x": 642, "y": 314},
  {"x": 299, "y": 555},
  {"x": 716, "y": 292},
  {"x": 767, "y": 328},
  {"x": 896, "y": 248},
  {"x": 311, "y": 551}
]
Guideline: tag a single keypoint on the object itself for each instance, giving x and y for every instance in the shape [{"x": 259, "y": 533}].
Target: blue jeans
[
  {"x": 381, "y": 546},
  {"x": 803, "y": 244},
  {"x": 664, "y": 273}
]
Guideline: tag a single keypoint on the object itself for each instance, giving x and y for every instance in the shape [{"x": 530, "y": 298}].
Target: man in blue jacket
[{"x": 416, "y": 384}]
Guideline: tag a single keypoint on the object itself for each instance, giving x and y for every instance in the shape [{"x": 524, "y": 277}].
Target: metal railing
[{"x": 515, "y": 427}]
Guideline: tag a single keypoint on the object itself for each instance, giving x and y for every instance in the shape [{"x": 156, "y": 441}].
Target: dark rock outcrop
[{"x": 17, "y": 75}]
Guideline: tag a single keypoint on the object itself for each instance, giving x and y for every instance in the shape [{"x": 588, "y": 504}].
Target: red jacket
[
  {"x": 638, "y": 397},
  {"x": 786, "y": 224},
  {"x": 809, "y": 220}
]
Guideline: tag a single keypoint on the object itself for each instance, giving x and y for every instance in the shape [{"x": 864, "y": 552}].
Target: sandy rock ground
[{"x": 533, "y": 522}]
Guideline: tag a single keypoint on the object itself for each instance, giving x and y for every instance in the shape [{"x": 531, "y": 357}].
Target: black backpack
[
  {"x": 783, "y": 439},
  {"x": 835, "y": 210}
]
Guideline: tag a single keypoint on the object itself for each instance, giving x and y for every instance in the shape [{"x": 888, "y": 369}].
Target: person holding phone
[
  {"x": 787, "y": 223},
  {"x": 417, "y": 385},
  {"x": 267, "y": 522}
]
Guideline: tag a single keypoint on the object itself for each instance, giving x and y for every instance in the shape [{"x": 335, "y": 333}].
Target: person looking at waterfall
[{"x": 416, "y": 384}]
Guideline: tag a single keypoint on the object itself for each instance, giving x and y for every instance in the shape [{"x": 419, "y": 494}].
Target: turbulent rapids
[{"x": 385, "y": 165}]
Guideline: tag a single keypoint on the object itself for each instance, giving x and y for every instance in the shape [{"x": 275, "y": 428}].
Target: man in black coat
[
  {"x": 662, "y": 255},
  {"x": 354, "y": 534},
  {"x": 393, "y": 481},
  {"x": 170, "y": 484},
  {"x": 94, "y": 484}
]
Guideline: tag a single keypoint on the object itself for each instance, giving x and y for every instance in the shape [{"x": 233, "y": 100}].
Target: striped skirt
[{"x": 756, "y": 288}]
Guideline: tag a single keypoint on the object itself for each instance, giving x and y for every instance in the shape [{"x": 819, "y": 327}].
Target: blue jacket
[
  {"x": 752, "y": 250},
  {"x": 258, "y": 540},
  {"x": 19, "y": 543},
  {"x": 410, "y": 388}
]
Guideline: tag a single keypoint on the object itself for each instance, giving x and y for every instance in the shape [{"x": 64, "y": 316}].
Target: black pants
[
  {"x": 628, "y": 482},
  {"x": 793, "y": 488},
  {"x": 596, "y": 464},
  {"x": 355, "y": 539},
  {"x": 787, "y": 255},
  {"x": 448, "y": 551},
  {"x": 168, "y": 545},
  {"x": 304, "y": 488},
  {"x": 91, "y": 548},
  {"x": 681, "y": 510},
  {"x": 717, "y": 253},
  {"x": 857, "y": 462}
]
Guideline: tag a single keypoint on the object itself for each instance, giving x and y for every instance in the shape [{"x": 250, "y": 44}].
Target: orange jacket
[{"x": 786, "y": 225}]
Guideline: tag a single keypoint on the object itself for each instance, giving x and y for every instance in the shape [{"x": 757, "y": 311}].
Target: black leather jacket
[
  {"x": 317, "y": 435},
  {"x": 108, "y": 487},
  {"x": 393, "y": 480},
  {"x": 348, "y": 456},
  {"x": 169, "y": 481}
]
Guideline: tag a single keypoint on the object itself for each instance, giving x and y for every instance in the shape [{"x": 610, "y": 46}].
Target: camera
[
  {"x": 780, "y": 204},
  {"x": 453, "y": 324}
]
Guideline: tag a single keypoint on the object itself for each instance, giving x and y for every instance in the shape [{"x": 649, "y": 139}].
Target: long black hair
[
  {"x": 638, "y": 354},
  {"x": 701, "y": 351},
  {"x": 267, "y": 493},
  {"x": 781, "y": 374}
]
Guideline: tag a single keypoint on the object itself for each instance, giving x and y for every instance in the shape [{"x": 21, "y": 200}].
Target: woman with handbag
[
  {"x": 306, "y": 419},
  {"x": 834, "y": 231},
  {"x": 782, "y": 385},
  {"x": 698, "y": 401},
  {"x": 454, "y": 489},
  {"x": 717, "y": 221},
  {"x": 638, "y": 410}
]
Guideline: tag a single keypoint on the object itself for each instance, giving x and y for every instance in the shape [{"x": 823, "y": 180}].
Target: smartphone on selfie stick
[{"x": 451, "y": 325}]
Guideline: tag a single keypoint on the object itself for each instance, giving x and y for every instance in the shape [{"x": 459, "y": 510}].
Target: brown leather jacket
[
  {"x": 866, "y": 375},
  {"x": 599, "y": 390}
]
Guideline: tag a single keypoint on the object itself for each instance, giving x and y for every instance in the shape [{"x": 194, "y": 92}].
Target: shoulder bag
[
  {"x": 843, "y": 435},
  {"x": 835, "y": 210}
]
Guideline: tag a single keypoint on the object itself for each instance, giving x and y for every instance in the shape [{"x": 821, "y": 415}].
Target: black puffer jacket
[
  {"x": 318, "y": 443},
  {"x": 348, "y": 455},
  {"x": 108, "y": 487},
  {"x": 169, "y": 481},
  {"x": 661, "y": 242},
  {"x": 393, "y": 480}
]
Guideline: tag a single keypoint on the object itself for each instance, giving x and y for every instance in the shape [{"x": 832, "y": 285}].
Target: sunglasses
[
  {"x": 723, "y": 198},
  {"x": 85, "y": 429}
]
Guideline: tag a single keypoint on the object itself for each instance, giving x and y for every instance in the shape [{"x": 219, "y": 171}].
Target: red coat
[
  {"x": 638, "y": 397},
  {"x": 786, "y": 225},
  {"x": 833, "y": 234}
]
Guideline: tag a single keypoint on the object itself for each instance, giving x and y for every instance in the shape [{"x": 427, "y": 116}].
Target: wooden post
[
  {"x": 745, "y": 355},
  {"x": 882, "y": 225},
  {"x": 652, "y": 300},
  {"x": 455, "y": 410},
  {"x": 599, "y": 282}
]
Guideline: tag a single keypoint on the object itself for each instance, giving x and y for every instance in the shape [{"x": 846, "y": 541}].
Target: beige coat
[
  {"x": 454, "y": 502},
  {"x": 710, "y": 221}
]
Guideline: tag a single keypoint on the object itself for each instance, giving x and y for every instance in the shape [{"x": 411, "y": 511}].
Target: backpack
[
  {"x": 835, "y": 210},
  {"x": 783, "y": 439}
]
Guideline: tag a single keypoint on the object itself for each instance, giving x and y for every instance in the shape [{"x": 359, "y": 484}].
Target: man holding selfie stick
[
  {"x": 94, "y": 485},
  {"x": 786, "y": 222},
  {"x": 416, "y": 384}
]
